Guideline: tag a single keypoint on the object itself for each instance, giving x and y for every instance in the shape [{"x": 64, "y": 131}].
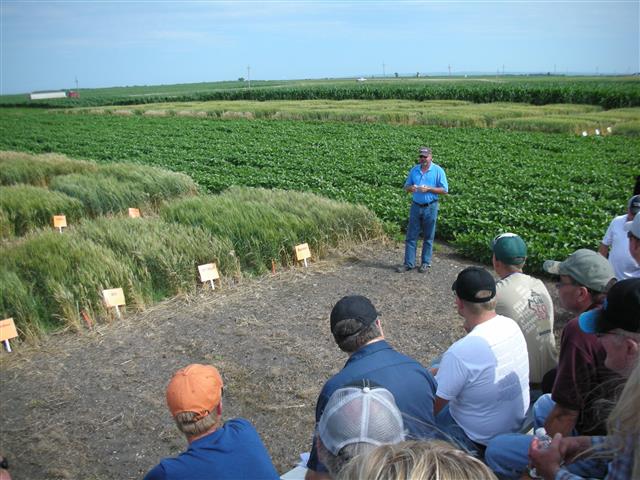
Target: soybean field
[{"x": 558, "y": 191}]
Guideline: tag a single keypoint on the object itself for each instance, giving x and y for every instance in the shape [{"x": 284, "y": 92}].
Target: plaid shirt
[{"x": 619, "y": 467}]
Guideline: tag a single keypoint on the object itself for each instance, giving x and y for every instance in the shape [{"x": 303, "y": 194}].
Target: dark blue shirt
[
  {"x": 434, "y": 177},
  {"x": 231, "y": 452},
  {"x": 412, "y": 386}
]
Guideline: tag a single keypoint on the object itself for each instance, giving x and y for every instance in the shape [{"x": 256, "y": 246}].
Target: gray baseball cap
[{"x": 586, "y": 267}]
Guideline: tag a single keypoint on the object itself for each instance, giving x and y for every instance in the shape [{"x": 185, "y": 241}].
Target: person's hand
[
  {"x": 424, "y": 189},
  {"x": 546, "y": 461},
  {"x": 412, "y": 189},
  {"x": 570, "y": 447}
]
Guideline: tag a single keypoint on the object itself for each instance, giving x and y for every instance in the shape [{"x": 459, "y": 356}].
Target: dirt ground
[{"x": 92, "y": 406}]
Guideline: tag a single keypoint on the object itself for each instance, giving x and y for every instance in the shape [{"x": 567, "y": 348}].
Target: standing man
[
  {"x": 483, "y": 378},
  {"x": 526, "y": 300},
  {"x": 615, "y": 244},
  {"x": 357, "y": 330},
  {"x": 633, "y": 234},
  {"x": 426, "y": 182}
]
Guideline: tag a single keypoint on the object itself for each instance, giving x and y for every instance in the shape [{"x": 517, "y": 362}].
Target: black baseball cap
[
  {"x": 620, "y": 310},
  {"x": 475, "y": 285},
  {"x": 352, "y": 307}
]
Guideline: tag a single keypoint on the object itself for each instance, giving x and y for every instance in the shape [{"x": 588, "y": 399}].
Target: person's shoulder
[
  {"x": 619, "y": 220},
  {"x": 239, "y": 423},
  {"x": 156, "y": 473}
]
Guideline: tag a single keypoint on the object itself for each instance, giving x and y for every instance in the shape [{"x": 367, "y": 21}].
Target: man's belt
[{"x": 422, "y": 205}]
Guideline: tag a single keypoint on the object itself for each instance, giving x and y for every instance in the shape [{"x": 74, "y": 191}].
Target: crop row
[
  {"x": 557, "y": 191},
  {"x": 51, "y": 279},
  {"x": 606, "y": 93},
  {"x": 558, "y": 118}
]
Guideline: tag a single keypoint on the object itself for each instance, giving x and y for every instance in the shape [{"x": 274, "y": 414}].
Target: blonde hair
[
  {"x": 623, "y": 424},
  {"x": 419, "y": 460},
  {"x": 480, "y": 308},
  {"x": 189, "y": 426}
]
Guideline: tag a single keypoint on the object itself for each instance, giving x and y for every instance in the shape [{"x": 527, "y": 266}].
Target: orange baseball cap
[{"x": 196, "y": 388}]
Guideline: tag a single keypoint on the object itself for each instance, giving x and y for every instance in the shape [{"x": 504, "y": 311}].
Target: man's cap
[
  {"x": 634, "y": 204},
  {"x": 633, "y": 226},
  {"x": 586, "y": 267},
  {"x": 620, "y": 310},
  {"x": 509, "y": 248},
  {"x": 196, "y": 388},
  {"x": 425, "y": 151},
  {"x": 360, "y": 415},
  {"x": 475, "y": 285},
  {"x": 352, "y": 307}
]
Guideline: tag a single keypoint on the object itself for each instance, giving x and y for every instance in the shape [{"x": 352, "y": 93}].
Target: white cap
[
  {"x": 360, "y": 415},
  {"x": 634, "y": 226}
]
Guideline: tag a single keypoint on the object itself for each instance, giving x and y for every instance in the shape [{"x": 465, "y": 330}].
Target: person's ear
[{"x": 379, "y": 325}]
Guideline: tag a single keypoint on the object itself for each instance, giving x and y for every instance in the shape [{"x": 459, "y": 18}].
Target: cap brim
[
  {"x": 552, "y": 267},
  {"x": 627, "y": 226},
  {"x": 589, "y": 320}
]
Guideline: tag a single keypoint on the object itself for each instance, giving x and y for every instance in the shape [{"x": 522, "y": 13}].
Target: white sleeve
[
  {"x": 451, "y": 377},
  {"x": 608, "y": 236}
]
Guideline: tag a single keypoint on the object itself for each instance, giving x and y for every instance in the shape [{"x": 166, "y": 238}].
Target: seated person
[
  {"x": 483, "y": 378},
  {"x": 424, "y": 460},
  {"x": 217, "y": 450},
  {"x": 618, "y": 325},
  {"x": 357, "y": 330},
  {"x": 356, "y": 420}
]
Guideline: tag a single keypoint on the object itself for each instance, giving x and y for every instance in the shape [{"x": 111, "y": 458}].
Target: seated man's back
[
  {"x": 485, "y": 378},
  {"x": 232, "y": 451},
  {"x": 357, "y": 331}
]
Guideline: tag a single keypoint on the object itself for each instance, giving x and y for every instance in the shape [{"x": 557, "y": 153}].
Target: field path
[{"x": 92, "y": 406}]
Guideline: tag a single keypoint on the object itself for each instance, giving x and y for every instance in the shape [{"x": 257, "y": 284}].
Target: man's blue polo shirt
[
  {"x": 412, "y": 386},
  {"x": 231, "y": 452},
  {"x": 434, "y": 177}
]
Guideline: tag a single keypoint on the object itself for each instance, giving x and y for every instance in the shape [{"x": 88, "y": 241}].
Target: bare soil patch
[{"x": 92, "y": 406}]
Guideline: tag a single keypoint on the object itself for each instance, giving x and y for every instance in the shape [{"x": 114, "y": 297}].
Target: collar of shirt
[{"x": 368, "y": 350}]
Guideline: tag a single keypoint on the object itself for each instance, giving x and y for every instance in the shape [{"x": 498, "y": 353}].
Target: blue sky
[{"x": 47, "y": 44}]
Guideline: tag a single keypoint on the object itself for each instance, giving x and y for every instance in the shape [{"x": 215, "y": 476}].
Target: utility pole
[
  {"x": 384, "y": 72},
  {"x": 449, "y": 70},
  {"x": 249, "y": 75},
  {"x": 76, "y": 83}
]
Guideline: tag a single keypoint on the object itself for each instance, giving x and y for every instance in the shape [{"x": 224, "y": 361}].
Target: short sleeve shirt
[
  {"x": 233, "y": 451},
  {"x": 623, "y": 264},
  {"x": 582, "y": 378},
  {"x": 434, "y": 177},
  {"x": 412, "y": 386},
  {"x": 526, "y": 300}
]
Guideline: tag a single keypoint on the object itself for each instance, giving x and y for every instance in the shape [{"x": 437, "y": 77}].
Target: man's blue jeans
[
  {"x": 421, "y": 219},
  {"x": 508, "y": 455},
  {"x": 453, "y": 433}
]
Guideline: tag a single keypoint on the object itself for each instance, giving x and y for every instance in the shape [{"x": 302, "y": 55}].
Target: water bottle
[{"x": 544, "y": 441}]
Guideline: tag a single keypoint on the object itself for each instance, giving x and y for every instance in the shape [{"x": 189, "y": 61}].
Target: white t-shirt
[
  {"x": 623, "y": 264},
  {"x": 485, "y": 377},
  {"x": 527, "y": 301}
]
